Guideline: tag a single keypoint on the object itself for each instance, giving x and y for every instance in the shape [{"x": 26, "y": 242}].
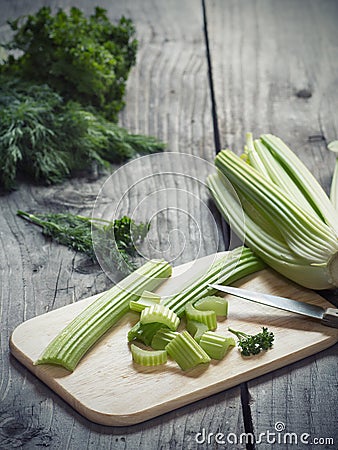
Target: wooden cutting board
[{"x": 108, "y": 388}]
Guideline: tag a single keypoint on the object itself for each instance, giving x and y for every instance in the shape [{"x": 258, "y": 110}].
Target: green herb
[
  {"x": 84, "y": 59},
  {"x": 48, "y": 140},
  {"x": 115, "y": 240},
  {"x": 254, "y": 344}
]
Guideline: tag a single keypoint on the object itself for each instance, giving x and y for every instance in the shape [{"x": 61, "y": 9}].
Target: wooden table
[{"x": 206, "y": 72}]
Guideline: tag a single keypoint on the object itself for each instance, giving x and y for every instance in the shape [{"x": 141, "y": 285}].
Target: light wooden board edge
[
  {"x": 146, "y": 414},
  {"x": 139, "y": 414}
]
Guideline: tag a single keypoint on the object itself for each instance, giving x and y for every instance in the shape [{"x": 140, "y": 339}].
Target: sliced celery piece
[
  {"x": 162, "y": 338},
  {"x": 147, "y": 299},
  {"x": 148, "y": 357},
  {"x": 216, "y": 345},
  {"x": 160, "y": 314},
  {"x": 213, "y": 303},
  {"x": 206, "y": 317},
  {"x": 196, "y": 329},
  {"x": 186, "y": 351},
  {"x": 231, "y": 267},
  {"x": 69, "y": 346}
]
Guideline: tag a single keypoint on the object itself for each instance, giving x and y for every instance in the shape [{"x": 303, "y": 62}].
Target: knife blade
[{"x": 328, "y": 317}]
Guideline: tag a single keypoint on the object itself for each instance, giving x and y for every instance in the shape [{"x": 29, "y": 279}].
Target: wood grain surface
[{"x": 274, "y": 67}]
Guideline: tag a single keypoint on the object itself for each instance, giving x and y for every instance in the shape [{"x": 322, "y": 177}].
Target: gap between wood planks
[{"x": 245, "y": 395}]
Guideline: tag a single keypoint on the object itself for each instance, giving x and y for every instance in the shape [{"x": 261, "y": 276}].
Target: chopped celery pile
[
  {"x": 198, "y": 343},
  {"x": 231, "y": 267}
]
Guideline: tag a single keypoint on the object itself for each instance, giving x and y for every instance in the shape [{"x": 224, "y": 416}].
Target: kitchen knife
[{"x": 328, "y": 317}]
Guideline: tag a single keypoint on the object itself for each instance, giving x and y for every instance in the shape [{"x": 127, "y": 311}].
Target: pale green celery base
[
  {"x": 311, "y": 277},
  {"x": 273, "y": 252}
]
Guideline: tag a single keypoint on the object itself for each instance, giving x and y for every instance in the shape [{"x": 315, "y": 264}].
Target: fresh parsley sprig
[
  {"x": 254, "y": 344},
  {"x": 86, "y": 59}
]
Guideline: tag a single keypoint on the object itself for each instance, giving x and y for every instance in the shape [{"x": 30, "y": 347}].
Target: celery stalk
[
  {"x": 217, "y": 304},
  {"x": 147, "y": 299},
  {"x": 334, "y": 187},
  {"x": 196, "y": 329},
  {"x": 289, "y": 221},
  {"x": 304, "y": 179},
  {"x": 71, "y": 344}
]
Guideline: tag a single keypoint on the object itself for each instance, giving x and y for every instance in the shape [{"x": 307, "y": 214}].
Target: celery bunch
[{"x": 289, "y": 221}]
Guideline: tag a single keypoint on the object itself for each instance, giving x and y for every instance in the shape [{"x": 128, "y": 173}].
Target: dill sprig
[
  {"x": 47, "y": 139},
  {"x": 254, "y": 344},
  {"x": 51, "y": 132},
  {"x": 115, "y": 240}
]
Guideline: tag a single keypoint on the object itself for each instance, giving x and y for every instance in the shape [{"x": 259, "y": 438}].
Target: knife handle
[{"x": 330, "y": 318}]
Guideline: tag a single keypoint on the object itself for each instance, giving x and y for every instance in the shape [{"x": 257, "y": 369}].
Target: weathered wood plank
[
  {"x": 167, "y": 96},
  {"x": 275, "y": 70}
]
